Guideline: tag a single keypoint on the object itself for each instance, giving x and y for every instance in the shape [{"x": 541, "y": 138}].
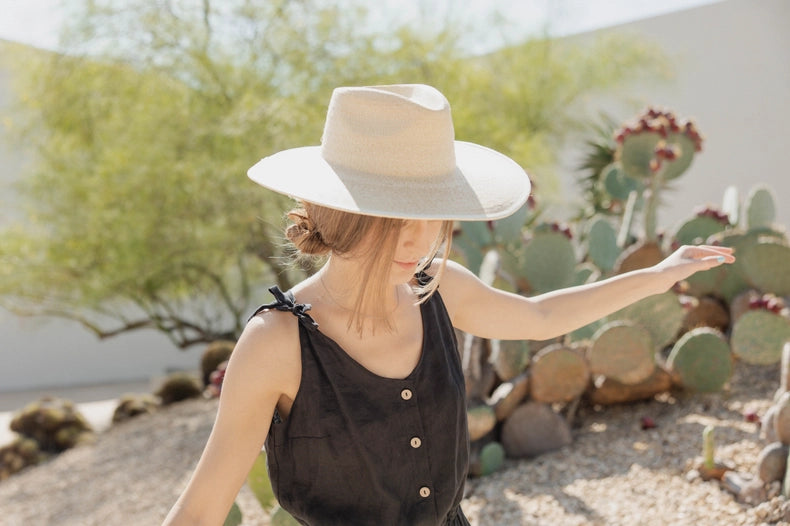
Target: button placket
[{"x": 414, "y": 434}]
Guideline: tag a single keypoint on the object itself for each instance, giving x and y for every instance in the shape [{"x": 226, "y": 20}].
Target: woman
[{"x": 353, "y": 378}]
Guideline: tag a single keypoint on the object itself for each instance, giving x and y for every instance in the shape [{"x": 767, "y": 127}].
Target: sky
[{"x": 36, "y": 22}]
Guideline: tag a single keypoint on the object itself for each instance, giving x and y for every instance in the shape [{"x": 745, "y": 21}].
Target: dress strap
[{"x": 285, "y": 301}]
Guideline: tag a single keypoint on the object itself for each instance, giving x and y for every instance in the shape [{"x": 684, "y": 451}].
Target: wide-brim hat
[{"x": 391, "y": 151}]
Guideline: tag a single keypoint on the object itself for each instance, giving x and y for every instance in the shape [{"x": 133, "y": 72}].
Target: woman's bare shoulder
[{"x": 269, "y": 349}]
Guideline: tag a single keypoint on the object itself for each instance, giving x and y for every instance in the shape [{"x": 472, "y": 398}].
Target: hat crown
[{"x": 402, "y": 130}]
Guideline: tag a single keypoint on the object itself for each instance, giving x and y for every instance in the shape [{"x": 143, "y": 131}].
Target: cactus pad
[
  {"x": 758, "y": 336},
  {"x": 697, "y": 229},
  {"x": 558, "y": 374},
  {"x": 661, "y": 314},
  {"x": 509, "y": 358},
  {"x": 602, "y": 240},
  {"x": 765, "y": 265},
  {"x": 548, "y": 262},
  {"x": 639, "y": 149},
  {"x": 623, "y": 352},
  {"x": 702, "y": 360},
  {"x": 619, "y": 184},
  {"x": 760, "y": 208}
]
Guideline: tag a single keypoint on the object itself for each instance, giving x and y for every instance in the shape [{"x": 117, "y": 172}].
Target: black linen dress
[{"x": 359, "y": 449}]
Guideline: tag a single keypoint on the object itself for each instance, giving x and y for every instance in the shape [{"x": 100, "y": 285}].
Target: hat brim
[{"x": 485, "y": 185}]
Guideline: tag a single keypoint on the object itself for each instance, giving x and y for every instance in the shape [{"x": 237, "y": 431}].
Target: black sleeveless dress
[{"x": 359, "y": 449}]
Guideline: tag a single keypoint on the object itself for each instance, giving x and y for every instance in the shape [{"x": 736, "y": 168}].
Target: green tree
[{"x": 138, "y": 213}]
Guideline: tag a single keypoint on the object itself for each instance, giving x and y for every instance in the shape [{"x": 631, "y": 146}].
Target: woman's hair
[{"x": 319, "y": 231}]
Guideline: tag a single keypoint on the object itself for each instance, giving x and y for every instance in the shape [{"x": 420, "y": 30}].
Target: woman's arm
[
  {"x": 491, "y": 313},
  {"x": 262, "y": 368}
]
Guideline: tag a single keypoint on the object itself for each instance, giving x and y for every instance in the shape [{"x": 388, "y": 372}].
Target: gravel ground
[{"x": 614, "y": 473}]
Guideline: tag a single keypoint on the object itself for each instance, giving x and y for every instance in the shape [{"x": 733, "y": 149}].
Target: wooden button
[
  {"x": 425, "y": 492},
  {"x": 406, "y": 394},
  {"x": 416, "y": 442}
]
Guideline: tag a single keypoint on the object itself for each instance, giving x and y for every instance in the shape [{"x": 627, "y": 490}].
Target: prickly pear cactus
[
  {"x": 661, "y": 314},
  {"x": 509, "y": 358},
  {"x": 765, "y": 266},
  {"x": 657, "y": 141},
  {"x": 602, "y": 243},
  {"x": 489, "y": 459},
  {"x": 760, "y": 208},
  {"x": 702, "y": 360},
  {"x": 547, "y": 262},
  {"x": 280, "y": 517},
  {"x": 697, "y": 230},
  {"x": 619, "y": 184},
  {"x": 234, "y": 516},
  {"x": 758, "y": 336},
  {"x": 623, "y": 352},
  {"x": 473, "y": 240}
]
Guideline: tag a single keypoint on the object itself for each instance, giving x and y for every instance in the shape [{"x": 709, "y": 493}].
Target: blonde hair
[{"x": 317, "y": 231}]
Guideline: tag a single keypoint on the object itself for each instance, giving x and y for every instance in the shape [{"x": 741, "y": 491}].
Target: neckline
[{"x": 350, "y": 359}]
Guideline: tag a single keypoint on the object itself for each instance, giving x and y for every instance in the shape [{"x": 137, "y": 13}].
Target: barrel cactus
[
  {"x": 179, "y": 386},
  {"x": 18, "y": 455},
  {"x": 215, "y": 353},
  {"x": 54, "y": 423}
]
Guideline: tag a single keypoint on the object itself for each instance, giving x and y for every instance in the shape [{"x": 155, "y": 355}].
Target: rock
[{"x": 533, "y": 429}]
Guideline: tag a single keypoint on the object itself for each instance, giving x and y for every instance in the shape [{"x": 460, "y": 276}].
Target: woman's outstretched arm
[
  {"x": 491, "y": 313},
  {"x": 262, "y": 368}
]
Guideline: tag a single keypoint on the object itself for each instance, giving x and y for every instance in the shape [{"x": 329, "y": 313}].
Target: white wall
[
  {"x": 732, "y": 65},
  {"x": 733, "y": 76}
]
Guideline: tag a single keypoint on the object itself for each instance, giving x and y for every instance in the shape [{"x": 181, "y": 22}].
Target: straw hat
[{"x": 391, "y": 151}]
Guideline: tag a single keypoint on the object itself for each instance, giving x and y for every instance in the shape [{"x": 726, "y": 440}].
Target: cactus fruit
[
  {"x": 54, "y": 423},
  {"x": 602, "y": 243},
  {"x": 214, "y": 354},
  {"x": 758, "y": 335},
  {"x": 558, "y": 374},
  {"x": 131, "y": 405},
  {"x": 622, "y": 351},
  {"x": 765, "y": 265},
  {"x": 661, "y": 314},
  {"x": 178, "y": 387},
  {"x": 702, "y": 360},
  {"x": 760, "y": 208}
]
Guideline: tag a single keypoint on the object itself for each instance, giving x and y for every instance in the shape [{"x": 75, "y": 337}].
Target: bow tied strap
[{"x": 285, "y": 301}]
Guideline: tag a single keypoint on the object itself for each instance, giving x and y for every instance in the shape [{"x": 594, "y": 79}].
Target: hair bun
[{"x": 304, "y": 235}]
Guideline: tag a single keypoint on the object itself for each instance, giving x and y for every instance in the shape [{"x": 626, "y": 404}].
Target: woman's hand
[{"x": 689, "y": 259}]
